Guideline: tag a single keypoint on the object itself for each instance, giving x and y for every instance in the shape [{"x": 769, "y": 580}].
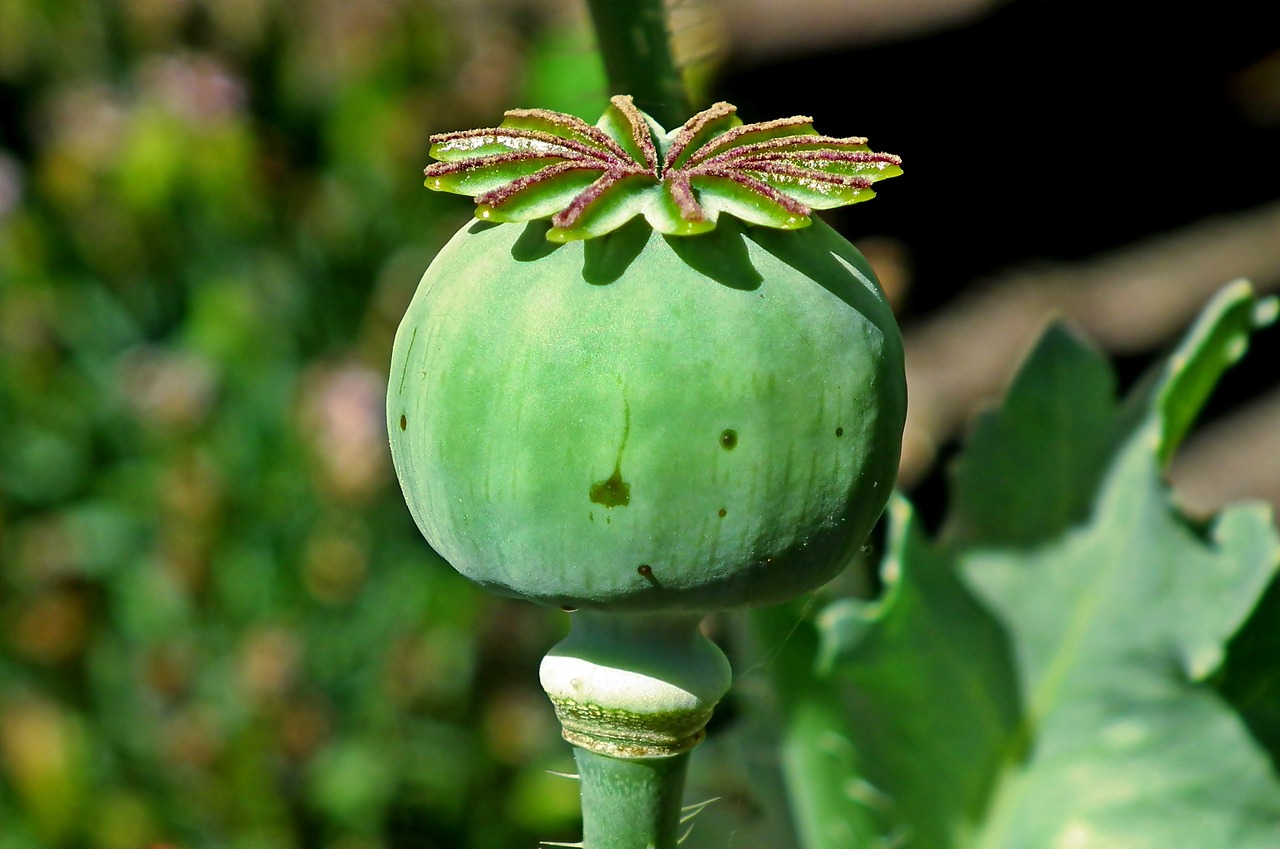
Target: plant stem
[
  {"x": 635, "y": 41},
  {"x": 633, "y": 692},
  {"x": 635, "y": 685},
  {"x": 630, "y": 804}
]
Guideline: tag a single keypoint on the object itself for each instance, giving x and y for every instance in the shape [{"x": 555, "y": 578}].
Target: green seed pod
[{"x": 663, "y": 441}]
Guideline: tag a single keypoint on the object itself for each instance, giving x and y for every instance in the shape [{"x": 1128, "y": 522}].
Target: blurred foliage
[
  {"x": 1039, "y": 679},
  {"x": 218, "y": 626}
]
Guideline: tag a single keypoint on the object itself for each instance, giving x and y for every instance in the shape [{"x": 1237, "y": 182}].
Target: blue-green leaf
[{"x": 1037, "y": 677}]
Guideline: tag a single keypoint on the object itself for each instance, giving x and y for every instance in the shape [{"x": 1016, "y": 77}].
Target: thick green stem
[
  {"x": 631, "y": 804},
  {"x": 635, "y": 685},
  {"x": 633, "y": 692},
  {"x": 635, "y": 41}
]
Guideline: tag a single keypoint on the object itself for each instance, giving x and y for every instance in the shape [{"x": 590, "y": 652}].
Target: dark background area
[{"x": 1045, "y": 131}]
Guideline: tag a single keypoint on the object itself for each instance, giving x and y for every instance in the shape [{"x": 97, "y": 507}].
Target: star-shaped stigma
[{"x": 590, "y": 180}]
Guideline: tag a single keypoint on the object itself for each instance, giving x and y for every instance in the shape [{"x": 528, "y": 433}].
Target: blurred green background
[{"x": 218, "y": 625}]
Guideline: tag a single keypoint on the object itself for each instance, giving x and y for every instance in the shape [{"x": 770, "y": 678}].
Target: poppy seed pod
[
  {"x": 629, "y": 407},
  {"x": 663, "y": 441}
]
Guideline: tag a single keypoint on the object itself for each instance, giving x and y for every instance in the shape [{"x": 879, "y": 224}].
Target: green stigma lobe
[{"x": 590, "y": 180}]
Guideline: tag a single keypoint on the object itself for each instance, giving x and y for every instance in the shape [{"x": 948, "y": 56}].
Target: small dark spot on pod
[
  {"x": 567, "y": 609},
  {"x": 612, "y": 492},
  {"x": 404, "y": 423},
  {"x": 839, "y": 431},
  {"x": 723, "y": 512},
  {"x": 728, "y": 439},
  {"x": 645, "y": 570}
]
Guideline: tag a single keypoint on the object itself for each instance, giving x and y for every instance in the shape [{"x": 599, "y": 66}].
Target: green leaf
[
  {"x": 1221, "y": 338},
  {"x": 934, "y": 702},
  {"x": 1250, "y": 679},
  {"x": 1115, "y": 627},
  {"x": 1030, "y": 469},
  {"x": 1037, "y": 678}
]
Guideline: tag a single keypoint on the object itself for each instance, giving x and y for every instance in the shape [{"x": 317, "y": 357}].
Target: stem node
[
  {"x": 635, "y": 685},
  {"x": 633, "y": 693}
]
